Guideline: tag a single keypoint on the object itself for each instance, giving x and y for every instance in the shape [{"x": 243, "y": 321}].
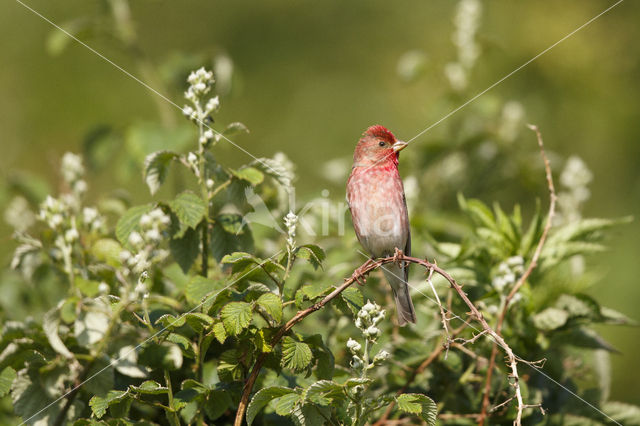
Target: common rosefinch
[{"x": 379, "y": 210}]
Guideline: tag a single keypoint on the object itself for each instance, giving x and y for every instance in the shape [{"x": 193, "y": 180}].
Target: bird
[{"x": 378, "y": 206}]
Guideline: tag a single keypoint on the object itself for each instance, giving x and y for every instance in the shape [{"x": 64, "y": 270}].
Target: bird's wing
[{"x": 407, "y": 247}]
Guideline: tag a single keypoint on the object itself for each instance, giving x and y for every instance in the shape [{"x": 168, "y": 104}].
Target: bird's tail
[{"x": 397, "y": 277}]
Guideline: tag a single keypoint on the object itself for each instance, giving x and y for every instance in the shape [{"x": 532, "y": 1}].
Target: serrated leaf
[
  {"x": 126, "y": 363},
  {"x": 324, "y": 392},
  {"x": 217, "y": 402},
  {"x": 418, "y": 404},
  {"x": 235, "y": 128},
  {"x": 276, "y": 168},
  {"x": 295, "y": 355},
  {"x": 355, "y": 381},
  {"x": 236, "y": 316},
  {"x": 198, "y": 321},
  {"x": 230, "y": 234},
  {"x": 550, "y": 319},
  {"x": 156, "y": 167},
  {"x": 107, "y": 250},
  {"x": 312, "y": 253},
  {"x": 229, "y": 367},
  {"x": 7, "y": 377},
  {"x": 150, "y": 387},
  {"x": 185, "y": 250},
  {"x": 220, "y": 332},
  {"x": 89, "y": 288},
  {"x": 100, "y": 404},
  {"x": 353, "y": 299},
  {"x": 285, "y": 404},
  {"x": 129, "y": 222},
  {"x": 262, "y": 398},
  {"x": 623, "y": 413},
  {"x": 199, "y": 287},
  {"x": 249, "y": 174},
  {"x": 50, "y": 324},
  {"x": 189, "y": 208},
  {"x": 272, "y": 305}
]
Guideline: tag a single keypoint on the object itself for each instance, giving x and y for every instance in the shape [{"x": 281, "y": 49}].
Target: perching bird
[{"x": 379, "y": 210}]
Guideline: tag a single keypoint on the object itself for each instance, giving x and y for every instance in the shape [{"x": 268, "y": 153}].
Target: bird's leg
[{"x": 360, "y": 274}]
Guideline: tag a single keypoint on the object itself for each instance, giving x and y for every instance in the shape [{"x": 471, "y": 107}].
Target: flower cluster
[
  {"x": 466, "y": 22},
  {"x": 18, "y": 214},
  {"x": 73, "y": 173},
  {"x": 291, "y": 223},
  {"x": 574, "y": 179},
  {"x": 367, "y": 320},
  {"x": 145, "y": 243},
  {"x": 508, "y": 272},
  {"x": 200, "y": 83}
]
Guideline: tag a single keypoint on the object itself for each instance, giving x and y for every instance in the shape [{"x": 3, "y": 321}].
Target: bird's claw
[
  {"x": 397, "y": 255},
  {"x": 360, "y": 274}
]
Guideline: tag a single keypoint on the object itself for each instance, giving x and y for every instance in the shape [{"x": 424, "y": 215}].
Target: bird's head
[{"x": 377, "y": 146}]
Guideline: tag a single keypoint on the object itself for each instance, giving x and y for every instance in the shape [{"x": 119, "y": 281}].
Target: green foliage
[{"x": 165, "y": 308}]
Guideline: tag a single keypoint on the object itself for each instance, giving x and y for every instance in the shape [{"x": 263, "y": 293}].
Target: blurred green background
[{"x": 309, "y": 77}]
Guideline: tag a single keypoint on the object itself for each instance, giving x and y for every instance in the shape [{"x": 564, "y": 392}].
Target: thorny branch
[
  {"x": 532, "y": 265},
  {"x": 358, "y": 276}
]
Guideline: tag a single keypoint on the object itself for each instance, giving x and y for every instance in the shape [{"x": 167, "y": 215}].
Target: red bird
[{"x": 379, "y": 210}]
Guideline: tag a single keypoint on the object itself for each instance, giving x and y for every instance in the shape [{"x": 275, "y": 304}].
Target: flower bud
[{"x": 353, "y": 346}]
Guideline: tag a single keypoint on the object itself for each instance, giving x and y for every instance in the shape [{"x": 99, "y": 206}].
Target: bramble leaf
[
  {"x": 295, "y": 355},
  {"x": 236, "y": 316}
]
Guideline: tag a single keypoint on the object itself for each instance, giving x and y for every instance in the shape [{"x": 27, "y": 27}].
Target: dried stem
[
  {"x": 532, "y": 265},
  {"x": 358, "y": 276}
]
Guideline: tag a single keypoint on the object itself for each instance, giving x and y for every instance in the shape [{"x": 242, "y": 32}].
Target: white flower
[
  {"x": 372, "y": 332},
  {"x": 18, "y": 214},
  {"x": 353, "y": 346},
  {"x": 208, "y": 134},
  {"x": 153, "y": 235},
  {"x": 187, "y": 111},
  {"x": 210, "y": 183},
  {"x": 381, "y": 356},
  {"x": 192, "y": 158},
  {"x": 356, "y": 362},
  {"x": 103, "y": 288},
  {"x": 71, "y": 167},
  {"x": 125, "y": 256},
  {"x": 213, "y": 104},
  {"x": 89, "y": 214},
  {"x": 135, "y": 239},
  {"x": 71, "y": 235},
  {"x": 145, "y": 221},
  {"x": 80, "y": 186},
  {"x": 576, "y": 173},
  {"x": 55, "y": 220}
]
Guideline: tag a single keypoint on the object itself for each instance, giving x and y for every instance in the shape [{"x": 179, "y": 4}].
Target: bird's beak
[{"x": 399, "y": 146}]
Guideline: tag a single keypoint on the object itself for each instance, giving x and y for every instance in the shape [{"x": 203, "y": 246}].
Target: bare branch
[{"x": 532, "y": 265}]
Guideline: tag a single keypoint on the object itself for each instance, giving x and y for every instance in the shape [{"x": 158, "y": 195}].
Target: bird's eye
[{"x": 381, "y": 143}]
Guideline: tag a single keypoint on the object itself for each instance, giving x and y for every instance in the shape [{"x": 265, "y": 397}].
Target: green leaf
[
  {"x": 419, "y": 404},
  {"x": 107, "y": 250},
  {"x": 156, "y": 167},
  {"x": 272, "y": 305},
  {"x": 229, "y": 235},
  {"x": 92, "y": 323},
  {"x": 478, "y": 212},
  {"x": 236, "y": 316},
  {"x": 276, "y": 168},
  {"x": 623, "y": 413},
  {"x": 161, "y": 356},
  {"x": 229, "y": 367},
  {"x": 295, "y": 355},
  {"x": 126, "y": 363},
  {"x": 218, "y": 401},
  {"x": 129, "y": 222},
  {"x": 550, "y": 319},
  {"x": 249, "y": 174},
  {"x": 50, "y": 324},
  {"x": 149, "y": 387},
  {"x": 185, "y": 250},
  {"x": 7, "y": 377},
  {"x": 198, "y": 321},
  {"x": 312, "y": 253},
  {"x": 286, "y": 403},
  {"x": 612, "y": 316},
  {"x": 220, "y": 332},
  {"x": 353, "y": 300},
  {"x": 262, "y": 398},
  {"x": 87, "y": 287},
  {"x": 100, "y": 404},
  {"x": 189, "y": 208},
  {"x": 199, "y": 287},
  {"x": 324, "y": 392},
  {"x": 235, "y": 128}
]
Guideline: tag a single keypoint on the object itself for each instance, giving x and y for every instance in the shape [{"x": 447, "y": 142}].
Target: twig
[
  {"x": 445, "y": 320},
  {"x": 419, "y": 369},
  {"x": 532, "y": 265}
]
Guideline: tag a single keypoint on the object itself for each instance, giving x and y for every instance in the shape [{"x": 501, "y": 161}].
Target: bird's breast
[{"x": 378, "y": 209}]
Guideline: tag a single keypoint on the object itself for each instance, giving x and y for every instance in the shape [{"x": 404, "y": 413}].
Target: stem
[{"x": 172, "y": 416}]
